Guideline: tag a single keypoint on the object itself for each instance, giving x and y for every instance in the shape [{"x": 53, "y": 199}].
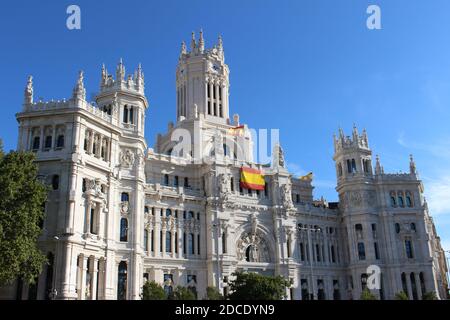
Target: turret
[
  {"x": 202, "y": 82},
  {"x": 352, "y": 155},
  {"x": 124, "y": 98}
]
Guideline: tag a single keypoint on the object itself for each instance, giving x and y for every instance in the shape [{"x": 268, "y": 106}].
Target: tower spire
[
  {"x": 28, "y": 94},
  {"x": 378, "y": 169},
  {"x": 193, "y": 45},
  {"x": 183, "y": 48},
  {"x": 120, "y": 71},
  {"x": 201, "y": 42}
]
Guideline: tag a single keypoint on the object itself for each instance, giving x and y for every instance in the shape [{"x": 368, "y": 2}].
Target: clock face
[{"x": 213, "y": 67}]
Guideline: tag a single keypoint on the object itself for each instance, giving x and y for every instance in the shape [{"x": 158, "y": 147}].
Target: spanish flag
[
  {"x": 237, "y": 131},
  {"x": 252, "y": 179},
  {"x": 308, "y": 177}
]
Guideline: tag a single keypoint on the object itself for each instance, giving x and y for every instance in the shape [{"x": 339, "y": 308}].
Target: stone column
[
  {"x": 418, "y": 286},
  {"x": 408, "y": 286},
  {"x": 83, "y": 278},
  {"x": 94, "y": 275}
]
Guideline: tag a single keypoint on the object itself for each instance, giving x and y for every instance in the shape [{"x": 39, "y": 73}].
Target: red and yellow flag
[
  {"x": 252, "y": 179},
  {"x": 237, "y": 131}
]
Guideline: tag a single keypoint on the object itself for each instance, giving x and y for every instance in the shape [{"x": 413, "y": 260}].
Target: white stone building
[{"x": 120, "y": 212}]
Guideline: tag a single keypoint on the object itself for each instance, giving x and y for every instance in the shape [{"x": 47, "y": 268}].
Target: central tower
[{"x": 202, "y": 82}]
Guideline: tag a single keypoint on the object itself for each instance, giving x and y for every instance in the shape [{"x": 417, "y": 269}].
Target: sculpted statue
[
  {"x": 29, "y": 91},
  {"x": 286, "y": 196}
]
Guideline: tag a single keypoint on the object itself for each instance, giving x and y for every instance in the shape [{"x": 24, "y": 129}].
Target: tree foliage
[
  {"x": 429, "y": 296},
  {"x": 182, "y": 293},
  {"x": 367, "y": 295},
  {"x": 22, "y": 197},
  {"x": 153, "y": 291},
  {"x": 254, "y": 286},
  {"x": 213, "y": 294},
  {"x": 401, "y": 296}
]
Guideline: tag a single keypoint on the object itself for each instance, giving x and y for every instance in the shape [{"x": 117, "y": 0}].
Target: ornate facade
[{"x": 120, "y": 213}]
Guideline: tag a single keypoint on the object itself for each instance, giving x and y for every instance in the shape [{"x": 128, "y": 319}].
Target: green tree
[
  {"x": 153, "y": 291},
  {"x": 429, "y": 296},
  {"x": 254, "y": 286},
  {"x": 22, "y": 197},
  {"x": 213, "y": 294},
  {"x": 367, "y": 295},
  {"x": 182, "y": 293},
  {"x": 401, "y": 296}
]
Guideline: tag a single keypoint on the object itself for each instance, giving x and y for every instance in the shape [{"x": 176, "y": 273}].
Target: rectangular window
[
  {"x": 409, "y": 249},
  {"x": 48, "y": 142},
  {"x": 361, "y": 251},
  {"x": 377, "y": 253}
]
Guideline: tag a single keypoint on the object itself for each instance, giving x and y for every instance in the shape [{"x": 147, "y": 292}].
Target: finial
[
  {"x": 201, "y": 41},
  {"x": 28, "y": 96},
  {"x": 378, "y": 169},
  {"x": 193, "y": 41},
  {"x": 412, "y": 165},
  {"x": 120, "y": 71},
  {"x": 220, "y": 42},
  {"x": 183, "y": 48}
]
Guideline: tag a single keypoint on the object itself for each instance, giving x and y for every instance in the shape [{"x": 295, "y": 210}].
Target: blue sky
[{"x": 303, "y": 66}]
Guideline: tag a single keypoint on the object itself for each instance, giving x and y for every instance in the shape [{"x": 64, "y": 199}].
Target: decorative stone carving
[
  {"x": 127, "y": 158},
  {"x": 252, "y": 248},
  {"x": 286, "y": 196}
]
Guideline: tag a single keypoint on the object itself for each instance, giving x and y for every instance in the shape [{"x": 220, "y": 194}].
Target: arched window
[
  {"x": 166, "y": 179},
  {"x": 55, "y": 182},
  {"x": 393, "y": 200},
  {"x": 84, "y": 185},
  {"x": 413, "y": 226},
  {"x": 248, "y": 253},
  {"x": 409, "y": 249},
  {"x": 175, "y": 181},
  {"x": 125, "y": 197},
  {"x": 349, "y": 166},
  {"x": 122, "y": 281},
  {"x": 333, "y": 255},
  {"x": 168, "y": 241},
  {"x": 409, "y": 201},
  {"x": 168, "y": 212},
  {"x": 191, "y": 215},
  {"x": 340, "y": 170},
  {"x": 186, "y": 182},
  {"x": 60, "y": 141},
  {"x": 401, "y": 202},
  {"x": 123, "y": 230},
  {"x": 397, "y": 228},
  {"x": 146, "y": 210},
  {"x": 353, "y": 166}
]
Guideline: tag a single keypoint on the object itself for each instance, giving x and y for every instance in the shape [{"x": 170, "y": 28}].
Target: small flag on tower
[
  {"x": 237, "y": 131},
  {"x": 252, "y": 179},
  {"x": 308, "y": 177}
]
